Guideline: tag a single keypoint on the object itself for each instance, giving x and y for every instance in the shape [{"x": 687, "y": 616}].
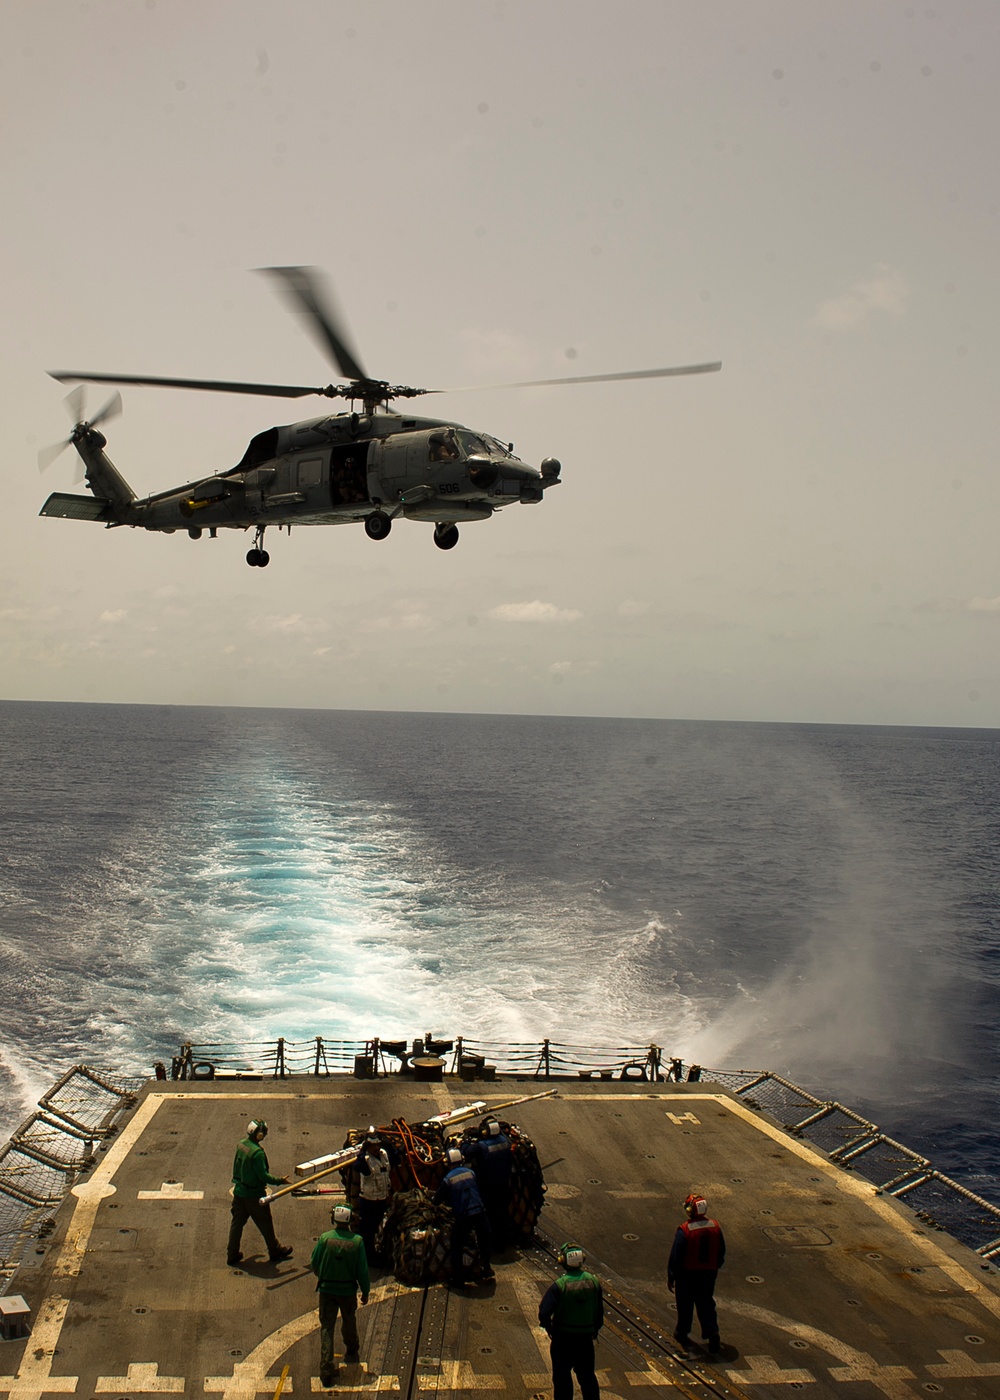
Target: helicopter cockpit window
[
  {"x": 474, "y": 446},
  {"x": 442, "y": 446}
]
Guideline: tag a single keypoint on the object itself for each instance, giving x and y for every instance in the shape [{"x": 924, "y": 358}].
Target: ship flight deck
[{"x": 829, "y": 1286}]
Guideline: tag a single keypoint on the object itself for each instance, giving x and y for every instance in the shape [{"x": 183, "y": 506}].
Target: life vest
[
  {"x": 375, "y": 1185},
  {"x": 702, "y": 1241},
  {"x": 579, "y": 1301}
]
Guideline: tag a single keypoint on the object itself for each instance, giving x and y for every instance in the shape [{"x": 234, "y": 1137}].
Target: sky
[{"x": 520, "y": 189}]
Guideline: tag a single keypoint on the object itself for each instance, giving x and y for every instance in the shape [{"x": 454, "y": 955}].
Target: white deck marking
[
  {"x": 858, "y": 1365},
  {"x": 142, "y": 1379},
  {"x": 958, "y": 1365},
  {"x": 459, "y": 1375},
  {"x": 171, "y": 1191},
  {"x": 442, "y": 1097},
  {"x": 251, "y": 1375},
  {"x": 528, "y": 1299},
  {"x": 678, "y": 1118},
  {"x": 542, "y": 1380},
  {"x": 764, "y": 1370},
  {"x": 246, "y": 1383},
  {"x": 650, "y": 1377},
  {"x": 891, "y": 1380},
  {"x": 92, "y": 1192},
  {"x": 34, "y": 1378},
  {"x": 385, "y": 1383}
]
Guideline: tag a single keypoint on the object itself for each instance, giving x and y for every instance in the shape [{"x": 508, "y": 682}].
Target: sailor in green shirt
[
  {"x": 572, "y": 1312},
  {"x": 341, "y": 1268},
  {"x": 251, "y": 1177}
]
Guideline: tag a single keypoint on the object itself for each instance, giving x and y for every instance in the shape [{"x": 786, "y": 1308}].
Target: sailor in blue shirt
[
  {"x": 460, "y": 1193},
  {"x": 491, "y": 1158}
]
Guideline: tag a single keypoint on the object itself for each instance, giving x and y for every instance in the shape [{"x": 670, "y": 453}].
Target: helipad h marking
[{"x": 142, "y": 1379}]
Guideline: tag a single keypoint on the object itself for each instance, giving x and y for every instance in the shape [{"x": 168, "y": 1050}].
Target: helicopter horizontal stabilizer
[{"x": 67, "y": 507}]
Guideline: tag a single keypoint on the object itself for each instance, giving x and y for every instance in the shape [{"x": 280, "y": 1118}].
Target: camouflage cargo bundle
[{"x": 416, "y": 1235}]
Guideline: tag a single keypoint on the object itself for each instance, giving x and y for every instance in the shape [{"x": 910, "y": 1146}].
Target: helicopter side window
[
  {"x": 442, "y": 447},
  {"x": 310, "y": 472}
]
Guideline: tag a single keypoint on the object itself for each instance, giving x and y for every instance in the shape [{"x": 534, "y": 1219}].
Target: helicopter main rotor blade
[
  {"x": 588, "y": 378},
  {"x": 219, "y": 386},
  {"x": 302, "y": 289}
]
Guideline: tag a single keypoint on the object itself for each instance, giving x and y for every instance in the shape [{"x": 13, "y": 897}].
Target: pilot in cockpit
[{"x": 443, "y": 447}]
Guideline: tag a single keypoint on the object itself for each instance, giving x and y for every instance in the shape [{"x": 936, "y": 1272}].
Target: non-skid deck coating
[{"x": 828, "y": 1287}]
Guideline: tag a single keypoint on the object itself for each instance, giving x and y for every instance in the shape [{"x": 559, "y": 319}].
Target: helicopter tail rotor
[{"x": 75, "y": 404}]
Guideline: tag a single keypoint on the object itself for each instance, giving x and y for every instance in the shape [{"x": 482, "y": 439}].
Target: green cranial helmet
[{"x": 572, "y": 1255}]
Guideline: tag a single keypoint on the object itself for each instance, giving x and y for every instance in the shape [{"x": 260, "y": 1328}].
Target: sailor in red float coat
[{"x": 698, "y": 1253}]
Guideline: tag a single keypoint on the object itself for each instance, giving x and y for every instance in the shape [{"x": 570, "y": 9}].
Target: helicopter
[{"x": 370, "y": 464}]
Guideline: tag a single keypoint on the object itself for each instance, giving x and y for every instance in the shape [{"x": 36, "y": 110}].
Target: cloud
[
  {"x": 633, "y": 607},
  {"x": 986, "y": 605},
  {"x": 888, "y": 290},
  {"x": 573, "y": 668},
  {"x": 114, "y": 615},
  {"x": 536, "y": 611},
  {"x": 293, "y": 625},
  {"x": 412, "y": 621}
]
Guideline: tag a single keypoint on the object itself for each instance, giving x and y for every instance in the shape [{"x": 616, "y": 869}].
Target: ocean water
[{"x": 817, "y": 900}]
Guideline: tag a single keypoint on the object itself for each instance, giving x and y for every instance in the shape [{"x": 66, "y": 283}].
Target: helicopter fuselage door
[{"x": 387, "y": 467}]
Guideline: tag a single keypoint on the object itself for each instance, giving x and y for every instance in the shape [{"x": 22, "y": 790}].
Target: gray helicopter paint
[
  {"x": 373, "y": 465},
  {"x": 296, "y": 487}
]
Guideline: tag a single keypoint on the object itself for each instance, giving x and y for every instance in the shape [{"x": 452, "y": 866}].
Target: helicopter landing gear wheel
[
  {"x": 377, "y": 525},
  {"x": 258, "y": 557},
  {"x": 446, "y": 536}
]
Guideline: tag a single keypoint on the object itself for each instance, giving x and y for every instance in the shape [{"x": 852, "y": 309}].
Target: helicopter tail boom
[{"x": 113, "y": 497}]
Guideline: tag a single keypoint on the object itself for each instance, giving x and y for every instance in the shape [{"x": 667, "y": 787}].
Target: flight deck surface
[{"x": 828, "y": 1286}]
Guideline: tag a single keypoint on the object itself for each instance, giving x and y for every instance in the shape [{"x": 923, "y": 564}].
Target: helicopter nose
[{"x": 482, "y": 473}]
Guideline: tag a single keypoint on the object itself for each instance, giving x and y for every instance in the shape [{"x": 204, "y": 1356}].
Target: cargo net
[
  {"x": 51, "y": 1148},
  {"x": 856, "y": 1144},
  {"x": 415, "y": 1233}
]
